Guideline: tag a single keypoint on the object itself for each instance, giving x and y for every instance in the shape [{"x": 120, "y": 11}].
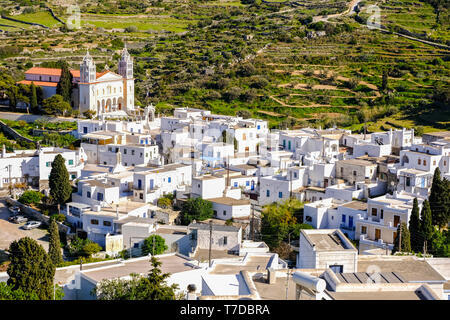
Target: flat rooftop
[
  {"x": 253, "y": 264},
  {"x": 327, "y": 242},
  {"x": 230, "y": 201},
  {"x": 169, "y": 264},
  {"x": 374, "y": 295},
  {"x": 409, "y": 268},
  {"x": 215, "y": 227},
  {"x": 203, "y": 254},
  {"x": 277, "y": 290},
  {"x": 357, "y": 205},
  {"x": 357, "y": 162}
]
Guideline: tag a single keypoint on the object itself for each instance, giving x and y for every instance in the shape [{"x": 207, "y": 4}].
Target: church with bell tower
[{"x": 107, "y": 92}]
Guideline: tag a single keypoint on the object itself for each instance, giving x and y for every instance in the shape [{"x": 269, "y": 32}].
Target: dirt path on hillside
[
  {"x": 349, "y": 11},
  {"x": 314, "y": 105}
]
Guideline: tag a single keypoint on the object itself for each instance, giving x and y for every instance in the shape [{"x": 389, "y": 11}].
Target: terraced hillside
[{"x": 293, "y": 63}]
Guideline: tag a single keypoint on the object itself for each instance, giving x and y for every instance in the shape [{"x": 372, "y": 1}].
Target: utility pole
[
  {"x": 287, "y": 284},
  {"x": 153, "y": 252},
  {"x": 10, "y": 180},
  {"x": 210, "y": 241},
  {"x": 290, "y": 186},
  {"x": 253, "y": 221},
  {"x": 424, "y": 249},
  {"x": 365, "y": 121}
]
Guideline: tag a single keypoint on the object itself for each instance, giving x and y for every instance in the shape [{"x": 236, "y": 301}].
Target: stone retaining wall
[
  {"x": 37, "y": 215},
  {"x": 14, "y": 134}
]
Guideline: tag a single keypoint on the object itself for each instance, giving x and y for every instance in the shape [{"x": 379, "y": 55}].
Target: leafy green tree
[
  {"x": 7, "y": 292},
  {"x": 54, "y": 249},
  {"x": 91, "y": 248},
  {"x": 164, "y": 202},
  {"x": 13, "y": 93},
  {"x": 196, "y": 209},
  {"x": 31, "y": 197},
  {"x": 154, "y": 245},
  {"x": 64, "y": 87},
  {"x": 59, "y": 183},
  {"x": 244, "y": 114},
  {"x": 426, "y": 226},
  {"x": 439, "y": 200},
  {"x": 31, "y": 268},
  {"x": 82, "y": 247},
  {"x": 90, "y": 114},
  {"x": 415, "y": 229},
  {"x": 55, "y": 105},
  {"x": 441, "y": 243},
  {"x": 279, "y": 220},
  {"x": 406, "y": 239},
  {"x": 152, "y": 287}
]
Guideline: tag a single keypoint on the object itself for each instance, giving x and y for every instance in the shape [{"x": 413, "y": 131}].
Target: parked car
[
  {"x": 14, "y": 209},
  {"x": 18, "y": 219},
  {"x": 31, "y": 225}
]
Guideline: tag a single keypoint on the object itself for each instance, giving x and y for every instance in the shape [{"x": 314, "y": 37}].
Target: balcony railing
[{"x": 345, "y": 227}]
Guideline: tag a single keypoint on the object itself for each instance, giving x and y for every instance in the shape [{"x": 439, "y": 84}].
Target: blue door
[
  {"x": 253, "y": 185},
  {"x": 151, "y": 184},
  {"x": 139, "y": 184},
  {"x": 350, "y": 221}
]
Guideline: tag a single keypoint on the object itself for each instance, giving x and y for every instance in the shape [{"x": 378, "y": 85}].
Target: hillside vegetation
[{"x": 290, "y": 62}]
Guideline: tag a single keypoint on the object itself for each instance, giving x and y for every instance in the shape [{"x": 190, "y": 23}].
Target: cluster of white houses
[{"x": 357, "y": 187}]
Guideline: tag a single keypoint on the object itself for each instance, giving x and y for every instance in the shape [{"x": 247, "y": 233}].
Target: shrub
[
  {"x": 82, "y": 247},
  {"x": 31, "y": 197},
  {"x": 164, "y": 202},
  {"x": 58, "y": 217},
  {"x": 131, "y": 29},
  {"x": 91, "y": 248},
  {"x": 154, "y": 245}
]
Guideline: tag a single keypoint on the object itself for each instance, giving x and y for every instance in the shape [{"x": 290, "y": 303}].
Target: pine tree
[
  {"x": 54, "y": 249},
  {"x": 406, "y": 239},
  {"x": 414, "y": 228},
  {"x": 64, "y": 87},
  {"x": 426, "y": 225},
  {"x": 59, "y": 183},
  {"x": 31, "y": 269},
  {"x": 33, "y": 99}
]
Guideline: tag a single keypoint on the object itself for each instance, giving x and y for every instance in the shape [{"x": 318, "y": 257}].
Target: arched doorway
[
  {"x": 119, "y": 103},
  {"x": 108, "y": 105}
]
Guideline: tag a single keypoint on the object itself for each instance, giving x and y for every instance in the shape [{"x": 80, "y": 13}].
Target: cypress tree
[
  {"x": 54, "y": 249},
  {"x": 414, "y": 228},
  {"x": 435, "y": 197},
  {"x": 64, "y": 87},
  {"x": 426, "y": 225},
  {"x": 31, "y": 269},
  {"x": 406, "y": 239},
  {"x": 384, "y": 80},
  {"x": 59, "y": 183},
  {"x": 33, "y": 100}
]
